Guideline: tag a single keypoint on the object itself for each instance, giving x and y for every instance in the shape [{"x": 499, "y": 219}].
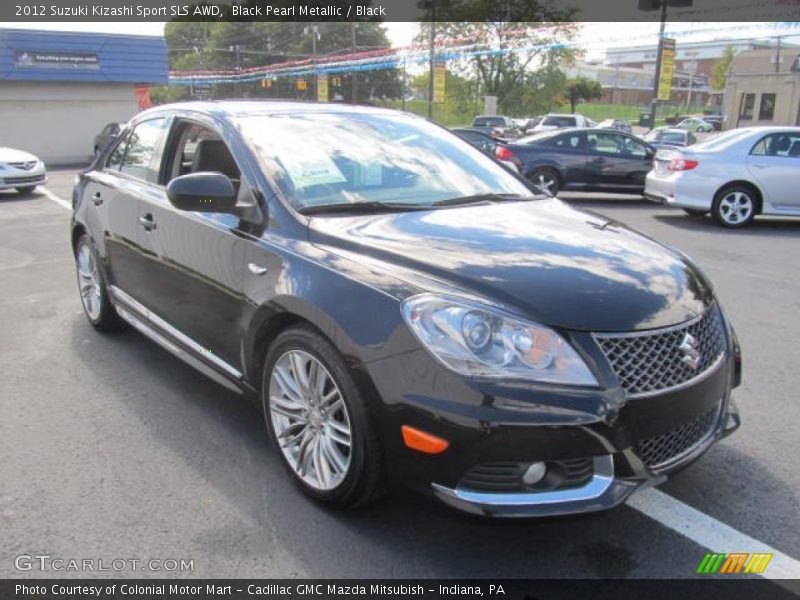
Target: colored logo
[{"x": 734, "y": 562}]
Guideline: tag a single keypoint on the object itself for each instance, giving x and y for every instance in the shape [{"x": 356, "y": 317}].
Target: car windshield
[
  {"x": 322, "y": 159},
  {"x": 559, "y": 121},
  {"x": 489, "y": 122}
]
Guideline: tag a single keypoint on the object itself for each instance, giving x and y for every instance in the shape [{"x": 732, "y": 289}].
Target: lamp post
[
  {"x": 313, "y": 31},
  {"x": 651, "y": 5}
]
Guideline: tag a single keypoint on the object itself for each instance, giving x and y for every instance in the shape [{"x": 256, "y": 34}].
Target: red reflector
[
  {"x": 424, "y": 442},
  {"x": 682, "y": 164},
  {"x": 503, "y": 153}
]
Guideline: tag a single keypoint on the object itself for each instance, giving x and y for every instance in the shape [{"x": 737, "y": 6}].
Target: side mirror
[{"x": 203, "y": 192}]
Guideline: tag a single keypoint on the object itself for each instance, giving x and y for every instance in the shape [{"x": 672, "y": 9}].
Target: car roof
[{"x": 562, "y": 115}]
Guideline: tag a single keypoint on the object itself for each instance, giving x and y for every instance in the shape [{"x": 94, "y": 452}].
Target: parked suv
[{"x": 403, "y": 308}]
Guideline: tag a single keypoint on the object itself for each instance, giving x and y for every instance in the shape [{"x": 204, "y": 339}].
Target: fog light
[{"x": 534, "y": 473}]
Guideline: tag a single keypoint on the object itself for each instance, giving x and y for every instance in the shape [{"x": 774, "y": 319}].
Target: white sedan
[
  {"x": 736, "y": 175},
  {"x": 20, "y": 171}
]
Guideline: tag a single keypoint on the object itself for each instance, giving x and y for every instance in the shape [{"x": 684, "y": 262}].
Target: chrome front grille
[
  {"x": 658, "y": 450},
  {"x": 656, "y": 360},
  {"x": 25, "y": 166}
]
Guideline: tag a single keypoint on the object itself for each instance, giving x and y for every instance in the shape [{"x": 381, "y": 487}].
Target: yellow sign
[
  {"x": 301, "y": 84},
  {"x": 439, "y": 73},
  {"x": 667, "y": 69},
  {"x": 322, "y": 88}
]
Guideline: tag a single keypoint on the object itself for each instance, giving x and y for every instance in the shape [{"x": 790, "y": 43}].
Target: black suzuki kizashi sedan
[{"x": 404, "y": 308}]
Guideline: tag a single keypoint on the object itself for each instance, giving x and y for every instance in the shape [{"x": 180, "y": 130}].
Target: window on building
[
  {"x": 796, "y": 65},
  {"x": 746, "y": 107},
  {"x": 767, "y": 108},
  {"x": 142, "y": 144}
]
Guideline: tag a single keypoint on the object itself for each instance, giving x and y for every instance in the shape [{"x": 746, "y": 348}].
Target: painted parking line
[
  {"x": 57, "y": 199},
  {"x": 710, "y": 533},
  {"x": 673, "y": 514}
]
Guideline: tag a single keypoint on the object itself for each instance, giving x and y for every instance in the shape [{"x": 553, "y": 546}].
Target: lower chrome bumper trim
[{"x": 601, "y": 492}]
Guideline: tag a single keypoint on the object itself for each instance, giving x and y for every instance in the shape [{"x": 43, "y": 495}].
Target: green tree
[
  {"x": 511, "y": 41},
  {"x": 581, "y": 89},
  {"x": 719, "y": 74}
]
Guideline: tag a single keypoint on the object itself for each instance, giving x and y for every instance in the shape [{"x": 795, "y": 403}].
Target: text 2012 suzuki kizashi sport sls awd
[{"x": 406, "y": 310}]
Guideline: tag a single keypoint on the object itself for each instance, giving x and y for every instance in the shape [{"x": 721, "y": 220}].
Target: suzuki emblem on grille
[{"x": 691, "y": 354}]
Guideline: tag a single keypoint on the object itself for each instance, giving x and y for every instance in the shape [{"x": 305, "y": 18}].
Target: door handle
[
  {"x": 147, "y": 222},
  {"x": 256, "y": 269},
  {"x": 97, "y": 199},
  {"x": 761, "y": 166}
]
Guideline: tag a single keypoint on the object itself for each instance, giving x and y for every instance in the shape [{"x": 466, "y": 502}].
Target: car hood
[
  {"x": 12, "y": 155},
  {"x": 541, "y": 259}
]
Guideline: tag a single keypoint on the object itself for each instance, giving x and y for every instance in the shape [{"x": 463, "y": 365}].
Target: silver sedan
[
  {"x": 20, "y": 171},
  {"x": 735, "y": 176}
]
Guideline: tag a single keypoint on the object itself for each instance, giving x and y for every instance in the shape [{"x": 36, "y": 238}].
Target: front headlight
[{"x": 479, "y": 341}]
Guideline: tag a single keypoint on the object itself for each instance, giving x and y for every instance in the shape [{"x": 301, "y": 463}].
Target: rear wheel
[
  {"x": 695, "y": 212},
  {"x": 27, "y": 189},
  {"x": 734, "y": 206},
  {"x": 317, "y": 419},
  {"x": 546, "y": 180},
  {"x": 92, "y": 287}
]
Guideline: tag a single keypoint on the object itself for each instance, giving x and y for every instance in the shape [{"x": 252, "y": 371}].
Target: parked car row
[{"x": 734, "y": 176}]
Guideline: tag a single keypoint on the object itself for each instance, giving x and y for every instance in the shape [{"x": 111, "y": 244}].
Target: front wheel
[
  {"x": 734, "y": 206},
  {"x": 92, "y": 287},
  {"x": 318, "y": 421}
]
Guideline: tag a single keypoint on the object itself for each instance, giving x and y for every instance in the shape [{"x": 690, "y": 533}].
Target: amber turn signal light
[{"x": 424, "y": 442}]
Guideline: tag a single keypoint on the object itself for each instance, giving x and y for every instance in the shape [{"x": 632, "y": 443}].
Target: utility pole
[
  {"x": 430, "y": 59},
  {"x": 314, "y": 32},
  {"x": 354, "y": 80},
  {"x": 237, "y": 50},
  {"x": 778, "y": 56},
  {"x": 654, "y": 101},
  {"x": 404, "y": 82}
]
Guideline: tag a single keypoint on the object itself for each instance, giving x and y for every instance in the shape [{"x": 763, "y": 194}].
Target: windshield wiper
[
  {"x": 362, "y": 207},
  {"x": 478, "y": 199}
]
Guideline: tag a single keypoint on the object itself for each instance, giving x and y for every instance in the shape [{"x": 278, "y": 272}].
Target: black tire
[
  {"x": 547, "y": 177},
  {"x": 27, "y": 189},
  {"x": 695, "y": 212},
  {"x": 364, "y": 482},
  {"x": 721, "y": 208},
  {"x": 106, "y": 318}
]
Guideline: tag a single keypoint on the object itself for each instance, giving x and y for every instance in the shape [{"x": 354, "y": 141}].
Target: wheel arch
[
  {"x": 548, "y": 165},
  {"x": 77, "y": 231},
  {"x": 759, "y": 198}
]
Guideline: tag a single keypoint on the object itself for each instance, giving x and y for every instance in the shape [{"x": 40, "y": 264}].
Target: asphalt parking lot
[{"x": 112, "y": 448}]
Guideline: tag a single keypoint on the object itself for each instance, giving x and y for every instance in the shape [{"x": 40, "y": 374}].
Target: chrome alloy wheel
[
  {"x": 89, "y": 282},
  {"x": 735, "y": 207},
  {"x": 310, "y": 420},
  {"x": 545, "y": 182}
]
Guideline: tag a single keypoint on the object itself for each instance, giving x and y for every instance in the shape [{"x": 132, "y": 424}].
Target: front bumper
[
  {"x": 17, "y": 178},
  {"x": 603, "y": 491},
  {"x": 493, "y": 422}
]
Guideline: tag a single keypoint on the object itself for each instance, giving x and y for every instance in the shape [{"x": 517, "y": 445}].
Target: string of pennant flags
[{"x": 446, "y": 49}]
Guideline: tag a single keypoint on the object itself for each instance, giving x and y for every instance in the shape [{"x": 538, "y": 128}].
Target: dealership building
[{"x": 59, "y": 89}]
